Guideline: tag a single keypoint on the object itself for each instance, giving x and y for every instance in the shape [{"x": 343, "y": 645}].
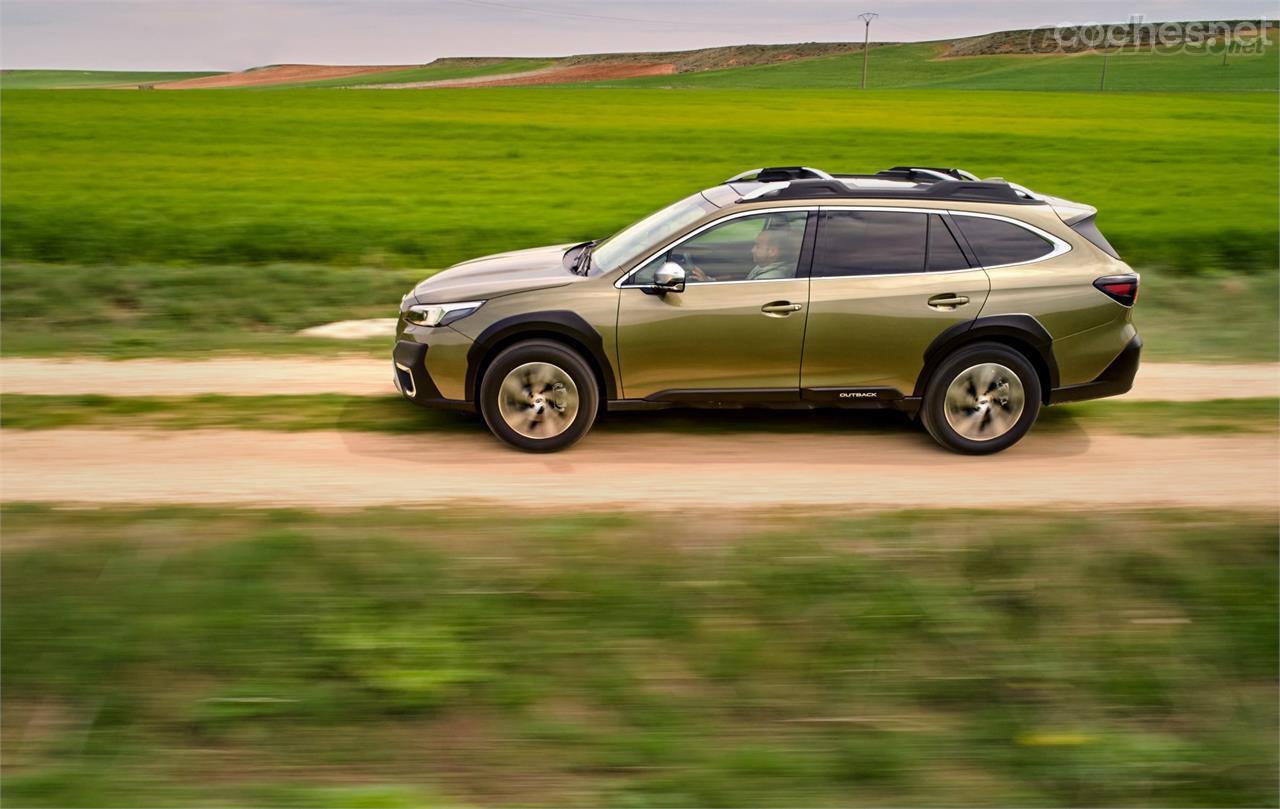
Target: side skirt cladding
[{"x": 567, "y": 327}]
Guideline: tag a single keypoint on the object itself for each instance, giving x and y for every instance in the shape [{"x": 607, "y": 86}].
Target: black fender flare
[
  {"x": 1023, "y": 330},
  {"x": 569, "y": 327}
]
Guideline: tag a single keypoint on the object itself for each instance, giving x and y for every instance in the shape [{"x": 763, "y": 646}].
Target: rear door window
[
  {"x": 997, "y": 242},
  {"x": 870, "y": 243}
]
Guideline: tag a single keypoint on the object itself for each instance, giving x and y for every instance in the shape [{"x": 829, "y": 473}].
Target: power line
[
  {"x": 582, "y": 15},
  {"x": 866, "y": 17}
]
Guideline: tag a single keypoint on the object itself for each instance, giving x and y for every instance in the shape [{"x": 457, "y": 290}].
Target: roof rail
[
  {"x": 958, "y": 190},
  {"x": 934, "y": 172},
  {"x": 780, "y": 173}
]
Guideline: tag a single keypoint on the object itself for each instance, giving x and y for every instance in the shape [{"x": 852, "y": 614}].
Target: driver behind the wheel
[{"x": 774, "y": 254}]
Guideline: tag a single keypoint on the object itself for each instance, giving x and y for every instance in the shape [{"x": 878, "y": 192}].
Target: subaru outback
[{"x": 968, "y": 304}]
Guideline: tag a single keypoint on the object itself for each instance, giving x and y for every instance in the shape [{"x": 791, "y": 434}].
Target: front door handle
[
  {"x": 780, "y": 308},
  {"x": 947, "y": 301}
]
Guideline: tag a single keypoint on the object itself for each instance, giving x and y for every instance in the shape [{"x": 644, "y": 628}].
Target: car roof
[{"x": 930, "y": 185}]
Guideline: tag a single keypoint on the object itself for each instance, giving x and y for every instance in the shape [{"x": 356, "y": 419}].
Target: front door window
[{"x": 750, "y": 248}]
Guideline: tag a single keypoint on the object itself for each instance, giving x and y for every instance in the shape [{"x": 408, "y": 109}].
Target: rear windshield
[{"x": 1088, "y": 228}]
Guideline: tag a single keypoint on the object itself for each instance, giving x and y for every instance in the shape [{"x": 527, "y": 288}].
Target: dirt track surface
[
  {"x": 278, "y": 74},
  {"x": 362, "y": 376},
  {"x": 546, "y": 75},
  {"x": 646, "y": 471}
]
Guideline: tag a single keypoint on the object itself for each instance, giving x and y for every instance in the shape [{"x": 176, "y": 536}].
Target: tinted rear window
[
  {"x": 996, "y": 241},
  {"x": 869, "y": 243},
  {"x": 944, "y": 253}
]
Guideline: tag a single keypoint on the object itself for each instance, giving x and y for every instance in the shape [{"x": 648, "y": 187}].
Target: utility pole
[
  {"x": 866, "y": 18},
  {"x": 1102, "y": 82}
]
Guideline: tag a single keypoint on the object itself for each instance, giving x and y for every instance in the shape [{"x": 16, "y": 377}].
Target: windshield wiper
[{"x": 583, "y": 261}]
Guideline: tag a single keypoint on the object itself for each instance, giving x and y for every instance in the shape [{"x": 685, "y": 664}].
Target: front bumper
[
  {"x": 1115, "y": 379},
  {"x": 414, "y": 381}
]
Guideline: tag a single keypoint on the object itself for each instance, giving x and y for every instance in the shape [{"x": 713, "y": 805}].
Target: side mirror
[{"x": 669, "y": 278}]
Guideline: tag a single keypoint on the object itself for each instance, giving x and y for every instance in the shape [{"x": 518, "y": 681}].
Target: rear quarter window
[{"x": 997, "y": 242}]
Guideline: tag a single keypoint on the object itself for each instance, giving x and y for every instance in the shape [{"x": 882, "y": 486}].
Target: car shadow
[{"x": 365, "y": 425}]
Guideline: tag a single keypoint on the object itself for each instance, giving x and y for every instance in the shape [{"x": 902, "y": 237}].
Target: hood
[{"x": 499, "y": 274}]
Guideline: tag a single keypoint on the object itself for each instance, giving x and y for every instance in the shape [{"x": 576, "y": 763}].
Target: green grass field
[
  {"x": 917, "y": 66},
  {"x": 402, "y": 657},
  {"x": 429, "y": 178},
  {"x": 79, "y": 79}
]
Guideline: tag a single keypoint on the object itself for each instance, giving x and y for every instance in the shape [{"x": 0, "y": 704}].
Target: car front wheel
[
  {"x": 981, "y": 399},
  {"x": 539, "y": 396}
]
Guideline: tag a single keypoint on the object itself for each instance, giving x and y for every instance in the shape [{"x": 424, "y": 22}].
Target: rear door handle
[
  {"x": 780, "y": 308},
  {"x": 947, "y": 301}
]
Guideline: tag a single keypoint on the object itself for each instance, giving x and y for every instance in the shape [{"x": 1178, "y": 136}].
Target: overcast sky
[{"x": 235, "y": 34}]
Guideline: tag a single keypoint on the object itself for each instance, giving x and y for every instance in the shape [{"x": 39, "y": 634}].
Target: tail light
[{"x": 1122, "y": 289}]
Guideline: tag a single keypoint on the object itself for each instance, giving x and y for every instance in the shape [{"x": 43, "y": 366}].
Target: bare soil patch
[{"x": 546, "y": 75}]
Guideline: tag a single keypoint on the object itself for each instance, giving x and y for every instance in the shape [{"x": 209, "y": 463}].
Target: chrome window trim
[{"x": 1060, "y": 247}]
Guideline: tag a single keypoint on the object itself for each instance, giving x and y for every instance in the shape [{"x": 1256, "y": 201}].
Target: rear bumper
[
  {"x": 1115, "y": 379},
  {"x": 409, "y": 372}
]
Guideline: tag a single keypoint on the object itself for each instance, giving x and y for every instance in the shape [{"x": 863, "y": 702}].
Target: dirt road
[
  {"x": 555, "y": 74},
  {"x": 279, "y": 74},
  {"x": 371, "y": 377},
  {"x": 636, "y": 470}
]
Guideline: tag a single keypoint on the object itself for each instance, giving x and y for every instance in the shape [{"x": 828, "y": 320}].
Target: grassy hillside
[
  {"x": 389, "y": 657},
  {"x": 918, "y": 65},
  {"x": 64, "y": 79},
  {"x": 432, "y": 178}
]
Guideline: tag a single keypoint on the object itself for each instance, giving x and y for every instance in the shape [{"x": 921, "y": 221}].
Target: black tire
[
  {"x": 535, "y": 354},
  {"x": 964, "y": 365}
]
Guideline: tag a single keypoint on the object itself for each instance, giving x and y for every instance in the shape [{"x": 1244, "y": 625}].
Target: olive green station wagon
[{"x": 966, "y": 303}]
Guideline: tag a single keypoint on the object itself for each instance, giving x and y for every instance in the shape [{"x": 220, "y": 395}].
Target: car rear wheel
[
  {"x": 981, "y": 399},
  {"x": 539, "y": 396}
]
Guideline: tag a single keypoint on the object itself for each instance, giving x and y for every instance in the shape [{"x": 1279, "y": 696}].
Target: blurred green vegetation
[
  {"x": 391, "y": 414},
  {"x": 397, "y": 657},
  {"x": 159, "y": 309},
  {"x": 1187, "y": 180},
  {"x": 147, "y": 310}
]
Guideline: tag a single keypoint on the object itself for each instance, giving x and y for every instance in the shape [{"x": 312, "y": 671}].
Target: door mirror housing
[{"x": 669, "y": 278}]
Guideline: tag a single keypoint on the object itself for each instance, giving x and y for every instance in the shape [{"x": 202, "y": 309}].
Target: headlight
[{"x": 440, "y": 314}]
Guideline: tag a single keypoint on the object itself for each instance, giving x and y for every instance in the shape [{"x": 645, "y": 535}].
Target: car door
[
  {"x": 885, "y": 282},
  {"x": 737, "y": 329}
]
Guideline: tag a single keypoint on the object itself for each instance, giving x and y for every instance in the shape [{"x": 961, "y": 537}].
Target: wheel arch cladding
[
  {"x": 1023, "y": 333},
  {"x": 566, "y": 328}
]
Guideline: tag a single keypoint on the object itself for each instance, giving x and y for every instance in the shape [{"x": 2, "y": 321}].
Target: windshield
[{"x": 614, "y": 251}]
